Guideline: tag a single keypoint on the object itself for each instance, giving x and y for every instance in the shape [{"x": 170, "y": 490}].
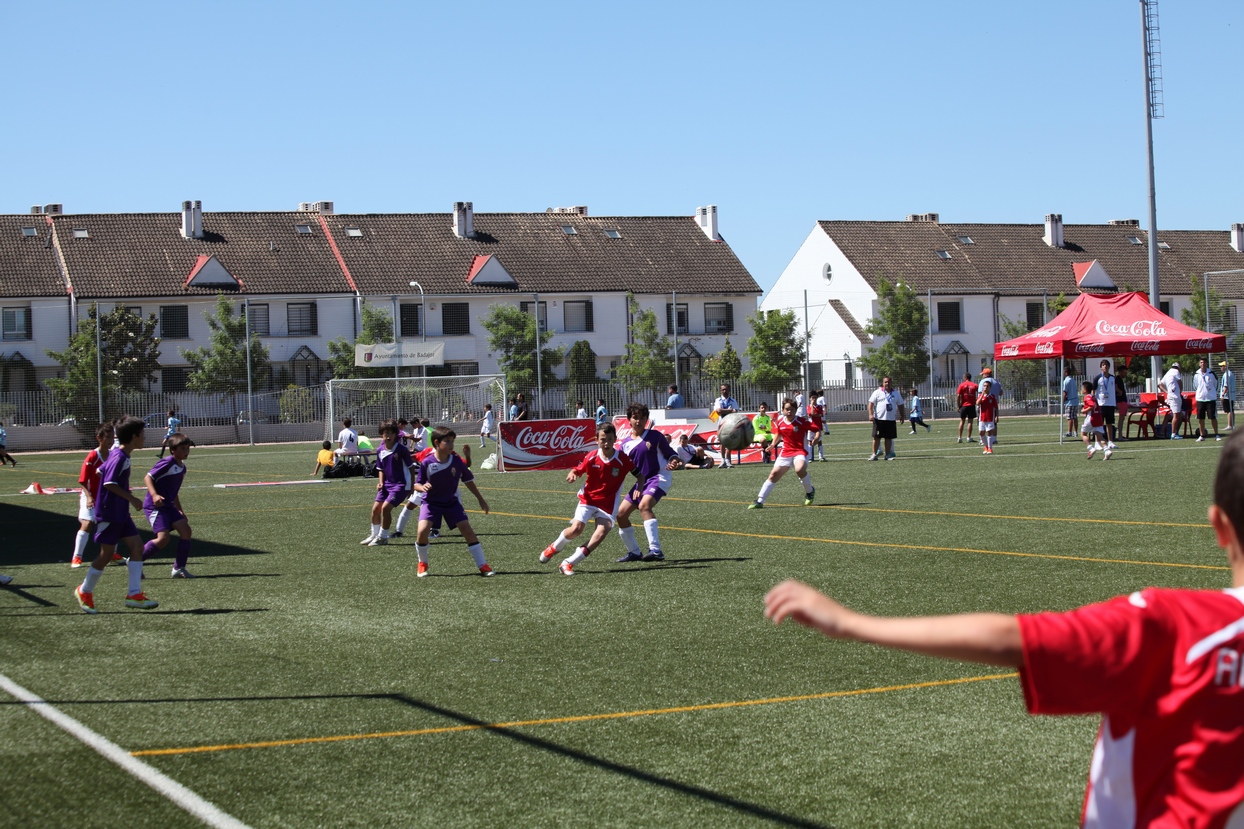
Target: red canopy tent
[{"x": 1109, "y": 325}]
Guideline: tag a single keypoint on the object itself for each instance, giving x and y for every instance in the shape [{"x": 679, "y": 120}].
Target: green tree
[
  {"x": 1058, "y": 304},
  {"x": 649, "y": 360},
  {"x": 581, "y": 364},
  {"x": 724, "y": 365},
  {"x": 512, "y": 335},
  {"x": 220, "y": 367},
  {"x": 377, "y": 328},
  {"x": 129, "y": 355},
  {"x": 904, "y": 321},
  {"x": 1218, "y": 323},
  {"x": 775, "y": 351}
]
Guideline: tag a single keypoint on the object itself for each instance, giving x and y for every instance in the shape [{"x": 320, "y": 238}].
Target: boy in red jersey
[
  {"x": 1162, "y": 666},
  {"x": 966, "y": 396},
  {"x": 606, "y": 470},
  {"x": 816, "y": 425},
  {"x": 89, "y": 479},
  {"x": 988, "y": 406},
  {"x": 1094, "y": 427},
  {"x": 792, "y": 431}
]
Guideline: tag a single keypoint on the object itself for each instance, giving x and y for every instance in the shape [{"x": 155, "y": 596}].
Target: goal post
[{"x": 453, "y": 400}]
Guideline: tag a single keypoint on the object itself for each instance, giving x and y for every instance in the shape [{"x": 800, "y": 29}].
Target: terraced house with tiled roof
[
  {"x": 976, "y": 275},
  {"x": 307, "y": 273}
]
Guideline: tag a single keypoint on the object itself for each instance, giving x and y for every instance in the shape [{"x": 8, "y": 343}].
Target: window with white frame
[
  {"x": 17, "y": 323},
  {"x": 683, "y": 317},
  {"x": 302, "y": 319},
  {"x": 950, "y": 316},
  {"x": 542, "y": 314},
  {"x": 718, "y": 318},
  {"x": 578, "y": 316}
]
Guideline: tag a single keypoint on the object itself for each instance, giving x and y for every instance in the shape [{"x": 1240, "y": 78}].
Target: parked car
[{"x": 244, "y": 417}]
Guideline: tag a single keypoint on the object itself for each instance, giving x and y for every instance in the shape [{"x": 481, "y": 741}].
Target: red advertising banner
[{"x": 546, "y": 444}]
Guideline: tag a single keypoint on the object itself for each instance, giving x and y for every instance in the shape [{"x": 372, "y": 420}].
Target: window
[
  {"x": 81, "y": 233},
  {"x": 613, "y": 234},
  {"x": 718, "y": 318},
  {"x": 542, "y": 315},
  {"x": 944, "y": 254},
  {"x": 816, "y": 375},
  {"x": 136, "y": 310},
  {"x": 354, "y": 231},
  {"x": 966, "y": 240},
  {"x": 409, "y": 318},
  {"x": 30, "y": 231},
  {"x": 302, "y": 318},
  {"x": 1231, "y": 322},
  {"x": 173, "y": 379},
  {"x": 304, "y": 230},
  {"x": 1164, "y": 306},
  {"x": 17, "y": 324},
  {"x": 578, "y": 316},
  {"x": 1134, "y": 240},
  {"x": 849, "y": 374},
  {"x": 684, "y": 324},
  {"x": 827, "y": 273},
  {"x": 569, "y": 230},
  {"x": 1036, "y": 315},
  {"x": 1164, "y": 246},
  {"x": 949, "y": 316},
  {"x": 174, "y": 322},
  {"x": 455, "y": 318},
  {"x": 260, "y": 321}
]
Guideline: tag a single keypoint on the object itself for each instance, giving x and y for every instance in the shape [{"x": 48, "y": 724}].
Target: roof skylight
[
  {"x": 81, "y": 233},
  {"x": 1164, "y": 246},
  {"x": 1134, "y": 240},
  {"x": 945, "y": 254},
  {"x": 30, "y": 231},
  {"x": 303, "y": 229},
  {"x": 569, "y": 230},
  {"x": 966, "y": 240},
  {"x": 612, "y": 234},
  {"x": 354, "y": 231}
]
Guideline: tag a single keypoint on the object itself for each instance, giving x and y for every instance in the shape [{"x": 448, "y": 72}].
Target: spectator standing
[
  {"x": 513, "y": 412},
  {"x": 1121, "y": 404},
  {"x": 1172, "y": 385},
  {"x": 1104, "y": 389},
  {"x": 675, "y": 400},
  {"x": 1226, "y": 393},
  {"x": 602, "y": 414},
  {"x": 885, "y": 408},
  {"x": 966, "y": 393},
  {"x": 722, "y": 406},
  {"x": 520, "y": 405},
  {"x": 1206, "y": 384},
  {"x": 582, "y": 414},
  {"x": 1071, "y": 403}
]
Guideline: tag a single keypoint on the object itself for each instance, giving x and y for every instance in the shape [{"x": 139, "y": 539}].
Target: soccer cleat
[
  {"x": 434, "y": 534},
  {"x": 971, "y": 439},
  {"x": 654, "y": 555},
  {"x": 86, "y": 601},
  {"x": 378, "y": 541},
  {"x": 366, "y": 542},
  {"x": 140, "y": 601},
  {"x": 485, "y": 570},
  {"x": 959, "y": 440},
  {"x": 76, "y": 562},
  {"x": 423, "y": 569},
  {"x": 1105, "y": 456},
  {"x": 5, "y": 580},
  {"x": 891, "y": 456},
  {"x": 182, "y": 573},
  {"x": 566, "y": 567},
  {"x": 118, "y": 557},
  {"x": 1217, "y": 437},
  {"x": 875, "y": 456},
  {"x": 1092, "y": 450},
  {"x": 756, "y": 505},
  {"x": 807, "y": 501},
  {"x": 395, "y": 534},
  {"x": 1177, "y": 437},
  {"x": 1200, "y": 438},
  {"x": 548, "y": 553},
  {"x": 630, "y": 557}
]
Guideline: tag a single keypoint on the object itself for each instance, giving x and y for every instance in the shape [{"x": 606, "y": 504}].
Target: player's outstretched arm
[
  {"x": 483, "y": 505},
  {"x": 991, "y": 638}
]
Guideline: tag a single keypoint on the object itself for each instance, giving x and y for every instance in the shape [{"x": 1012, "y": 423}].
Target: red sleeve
[
  {"x": 85, "y": 476},
  {"x": 586, "y": 463},
  {"x": 1096, "y": 659}
]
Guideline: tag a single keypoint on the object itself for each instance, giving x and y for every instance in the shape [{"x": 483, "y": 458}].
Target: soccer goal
[{"x": 455, "y": 400}]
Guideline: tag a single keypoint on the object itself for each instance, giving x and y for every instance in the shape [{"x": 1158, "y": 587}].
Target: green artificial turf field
[{"x": 330, "y": 687}]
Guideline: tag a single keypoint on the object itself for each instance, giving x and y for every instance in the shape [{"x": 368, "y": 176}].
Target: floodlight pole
[
  {"x": 99, "y": 366},
  {"x": 674, "y": 313},
  {"x": 423, "y": 328},
  {"x": 1155, "y": 362},
  {"x": 250, "y": 392},
  {"x": 539, "y": 378}
]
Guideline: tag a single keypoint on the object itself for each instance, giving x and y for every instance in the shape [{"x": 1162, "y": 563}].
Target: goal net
[{"x": 454, "y": 400}]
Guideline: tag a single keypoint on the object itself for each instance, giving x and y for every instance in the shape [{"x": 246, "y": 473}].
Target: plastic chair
[{"x": 1143, "y": 419}]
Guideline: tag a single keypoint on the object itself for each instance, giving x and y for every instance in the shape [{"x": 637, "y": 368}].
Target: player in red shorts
[
  {"x": 816, "y": 425},
  {"x": 606, "y": 470},
  {"x": 1162, "y": 666},
  {"x": 792, "y": 431}
]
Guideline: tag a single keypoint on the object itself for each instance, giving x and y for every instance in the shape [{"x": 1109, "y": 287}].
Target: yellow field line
[{"x": 616, "y": 715}]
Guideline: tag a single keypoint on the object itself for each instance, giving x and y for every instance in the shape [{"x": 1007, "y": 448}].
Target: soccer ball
[{"x": 735, "y": 431}]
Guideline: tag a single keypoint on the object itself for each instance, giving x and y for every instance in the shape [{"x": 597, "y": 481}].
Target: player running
[
  {"x": 162, "y": 504},
  {"x": 654, "y": 459},
  {"x": 792, "y": 430}
]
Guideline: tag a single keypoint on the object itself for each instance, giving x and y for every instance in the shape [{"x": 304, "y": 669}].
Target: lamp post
[
  {"x": 539, "y": 378},
  {"x": 423, "y": 328}
]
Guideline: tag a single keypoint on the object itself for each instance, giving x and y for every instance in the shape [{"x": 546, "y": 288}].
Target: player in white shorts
[{"x": 792, "y": 430}]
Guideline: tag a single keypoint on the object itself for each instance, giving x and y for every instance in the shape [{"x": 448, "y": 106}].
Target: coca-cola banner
[
  {"x": 546, "y": 444},
  {"x": 1109, "y": 326}
]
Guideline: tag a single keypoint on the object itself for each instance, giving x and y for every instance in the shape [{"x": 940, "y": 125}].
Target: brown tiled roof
[
  {"x": 851, "y": 322},
  {"x": 653, "y": 254},
  {"x": 1012, "y": 259},
  {"x": 28, "y": 266},
  {"x": 144, "y": 254}
]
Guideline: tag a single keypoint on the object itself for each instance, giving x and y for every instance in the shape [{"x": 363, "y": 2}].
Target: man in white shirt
[
  {"x": 347, "y": 439},
  {"x": 1173, "y": 385},
  {"x": 723, "y": 406},
  {"x": 885, "y": 408},
  {"x": 1206, "y": 384},
  {"x": 1226, "y": 394},
  {"x": 1104, "y": 391}
]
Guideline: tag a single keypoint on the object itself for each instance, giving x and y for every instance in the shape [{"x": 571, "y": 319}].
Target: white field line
[{"x": 167, "y": 786}]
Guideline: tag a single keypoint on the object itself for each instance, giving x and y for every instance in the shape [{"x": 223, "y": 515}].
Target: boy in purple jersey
[
  {"x": 439, "y": 476},
  {"x": 113, "y": 522},
  {"x": 162, "y": 506},
  {"x": 393, "y": 462},
  {"x": 654, "y": 459}
]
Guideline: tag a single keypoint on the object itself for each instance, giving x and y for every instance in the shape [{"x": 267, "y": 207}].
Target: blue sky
[{"x": 780, "y": 114}]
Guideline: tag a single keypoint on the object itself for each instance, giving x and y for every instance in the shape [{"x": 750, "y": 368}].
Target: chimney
[
  {"x": 54, "y": 209},
  {"x": 706, "y": 218},
  {"x": 1237, "y": 237},
  {"x": 1125, "y": 222},
  {"x": 922, "y": 217},
  {"x": 324, "y": 207},
  {"x": 198, "y": 219},
  {"x": 187, "y": 220},
  {"x": 464, "y": 220},
  {"x": 36, "y": 210},
  {"x": 1053, "y": 230}
]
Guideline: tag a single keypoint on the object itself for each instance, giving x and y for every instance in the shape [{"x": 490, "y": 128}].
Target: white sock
[
  {"x": 628, "y": 539},
  {"x": 560, "y": 542},
  {"x": 650, "y": 529},
  {"x": 79, "y": 543},
  {"x": 384, "y": 533},
  {"x": 806, "y": 480},
  {"x": 375, "y": 530},
  {"x": 765, "y": 489},
  {"x": 477, "y": 552},
  {"x": 135, "y": 569},
  {"x": 577, "y": 556},
  {"x": 421, "y": 550},
  {"x": 403, "y": 518},
  {"x": 92, "y": 579}
]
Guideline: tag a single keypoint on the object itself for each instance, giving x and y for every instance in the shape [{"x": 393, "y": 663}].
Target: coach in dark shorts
[
  {"x": 886, "y": 409},
  {"x": 1105, "y": 390}
]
